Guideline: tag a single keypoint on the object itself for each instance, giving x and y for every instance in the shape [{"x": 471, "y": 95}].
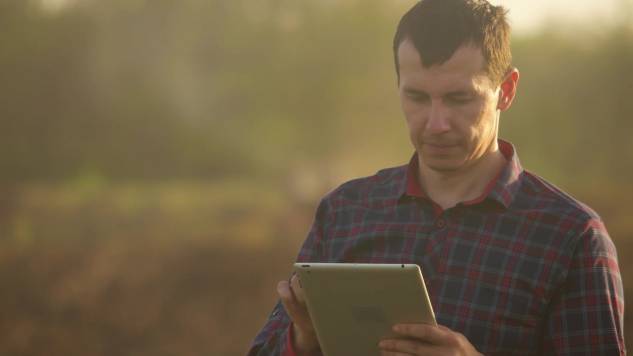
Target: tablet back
[{"x": 353, "y": 306}]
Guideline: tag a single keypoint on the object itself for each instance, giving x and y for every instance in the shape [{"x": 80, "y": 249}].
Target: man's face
[{"x": 451, "y": 109}]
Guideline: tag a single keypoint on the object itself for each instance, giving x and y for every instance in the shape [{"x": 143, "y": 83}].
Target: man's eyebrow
[
  {"x": 461, "y": 92},
  {"x": 414, "y": 90}
]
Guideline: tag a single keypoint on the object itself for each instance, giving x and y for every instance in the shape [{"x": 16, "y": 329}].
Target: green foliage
[
  {"x": 572, "y": 115},
  {"x": 201, "y": 89}
]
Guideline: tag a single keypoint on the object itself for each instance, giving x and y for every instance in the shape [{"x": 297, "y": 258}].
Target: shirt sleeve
[
  {"x": 586, "y": 315},
  {"x": 275, "y": 339}
]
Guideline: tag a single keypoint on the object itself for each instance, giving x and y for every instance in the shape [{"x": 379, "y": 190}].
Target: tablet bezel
[{"x": 354, "y": 305}]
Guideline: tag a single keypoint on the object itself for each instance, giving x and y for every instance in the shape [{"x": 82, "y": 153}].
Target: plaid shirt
[{"x": 523, "y": 270}]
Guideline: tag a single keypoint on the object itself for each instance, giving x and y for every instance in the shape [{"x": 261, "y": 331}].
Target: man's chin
[
  {"x": 442, "y": 165},
  {"x": 444, "y": 168}
]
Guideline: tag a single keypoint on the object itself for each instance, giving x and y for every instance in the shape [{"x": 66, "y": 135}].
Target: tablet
[{"x": 353, "y": 306}]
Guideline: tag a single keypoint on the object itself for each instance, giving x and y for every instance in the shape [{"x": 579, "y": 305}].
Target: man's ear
[{"x": 508, "y": 89}]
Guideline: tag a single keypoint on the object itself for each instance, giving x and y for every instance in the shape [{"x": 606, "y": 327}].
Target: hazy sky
[{"x": 527, "y": 15}]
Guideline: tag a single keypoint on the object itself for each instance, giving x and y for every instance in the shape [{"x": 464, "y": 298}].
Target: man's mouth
[
  {"x": 437, "y": 148},
  {"x": 440, "y": 144}
]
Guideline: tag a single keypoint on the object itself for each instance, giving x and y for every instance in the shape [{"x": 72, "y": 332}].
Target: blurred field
[
  {"x": 174, "y": 269},
  {"x": 160, "y": 161}
]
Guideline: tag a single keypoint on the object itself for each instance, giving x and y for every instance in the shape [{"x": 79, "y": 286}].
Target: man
[{"x": 512, "y": 264}]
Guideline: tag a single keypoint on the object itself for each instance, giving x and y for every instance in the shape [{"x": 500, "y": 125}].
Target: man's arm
[
  {"x": 271, "y": 340},
  {"x": 586, "y": 315},
  {"x": 279, "y": 335},
  {"x": 289, "y": 330}
]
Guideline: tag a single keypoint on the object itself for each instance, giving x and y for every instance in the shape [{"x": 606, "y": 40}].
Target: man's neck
[{"x": 448, "y": 189}]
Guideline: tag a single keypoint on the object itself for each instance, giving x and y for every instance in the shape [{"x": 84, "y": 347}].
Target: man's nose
[{"x": 438, "y": 120}]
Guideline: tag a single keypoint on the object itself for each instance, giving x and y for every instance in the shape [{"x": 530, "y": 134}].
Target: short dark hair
[{"x": 437, "y": 28}]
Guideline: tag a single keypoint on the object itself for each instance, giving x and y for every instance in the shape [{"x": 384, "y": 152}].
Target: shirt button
[{"x": 440, "y": 223}]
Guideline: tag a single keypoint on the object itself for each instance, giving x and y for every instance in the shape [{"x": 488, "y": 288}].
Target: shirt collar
[{"x": 502, "y": 188}]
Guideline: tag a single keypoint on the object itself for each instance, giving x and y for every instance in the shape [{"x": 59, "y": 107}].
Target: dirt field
[{"x": 156, "y": 270}]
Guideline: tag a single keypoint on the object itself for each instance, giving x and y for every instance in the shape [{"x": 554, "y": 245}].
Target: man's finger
[
  {"x": 297, "y": 290},
  {"x": 425, "y": 332},
  {"x": 392, "y": 353},
  {"x": 296, "y": 311},
  {"x": 287, "y": 298},
  {"x": 407, "y": 347}
]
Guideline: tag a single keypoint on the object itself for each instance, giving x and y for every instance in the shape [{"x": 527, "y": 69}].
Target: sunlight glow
[
  {"x": 528, "y": 16},
  {"x": 55, "y": 6}
]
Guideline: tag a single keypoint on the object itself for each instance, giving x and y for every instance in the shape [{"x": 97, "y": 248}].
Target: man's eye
[
  {"x": 457, "y": 100},
  {"x": 417, "y": 97}
]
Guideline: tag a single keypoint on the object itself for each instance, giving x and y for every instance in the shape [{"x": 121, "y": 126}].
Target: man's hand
[
  {"x": 291, "y": 295},
  {"x": 424, "y": 339}
]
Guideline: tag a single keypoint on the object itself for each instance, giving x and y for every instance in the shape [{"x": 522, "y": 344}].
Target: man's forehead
[{"x": 466, "y": 60}]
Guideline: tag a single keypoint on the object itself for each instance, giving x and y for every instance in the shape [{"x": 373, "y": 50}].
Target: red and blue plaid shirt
[{"x": 523, "y": 270}]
